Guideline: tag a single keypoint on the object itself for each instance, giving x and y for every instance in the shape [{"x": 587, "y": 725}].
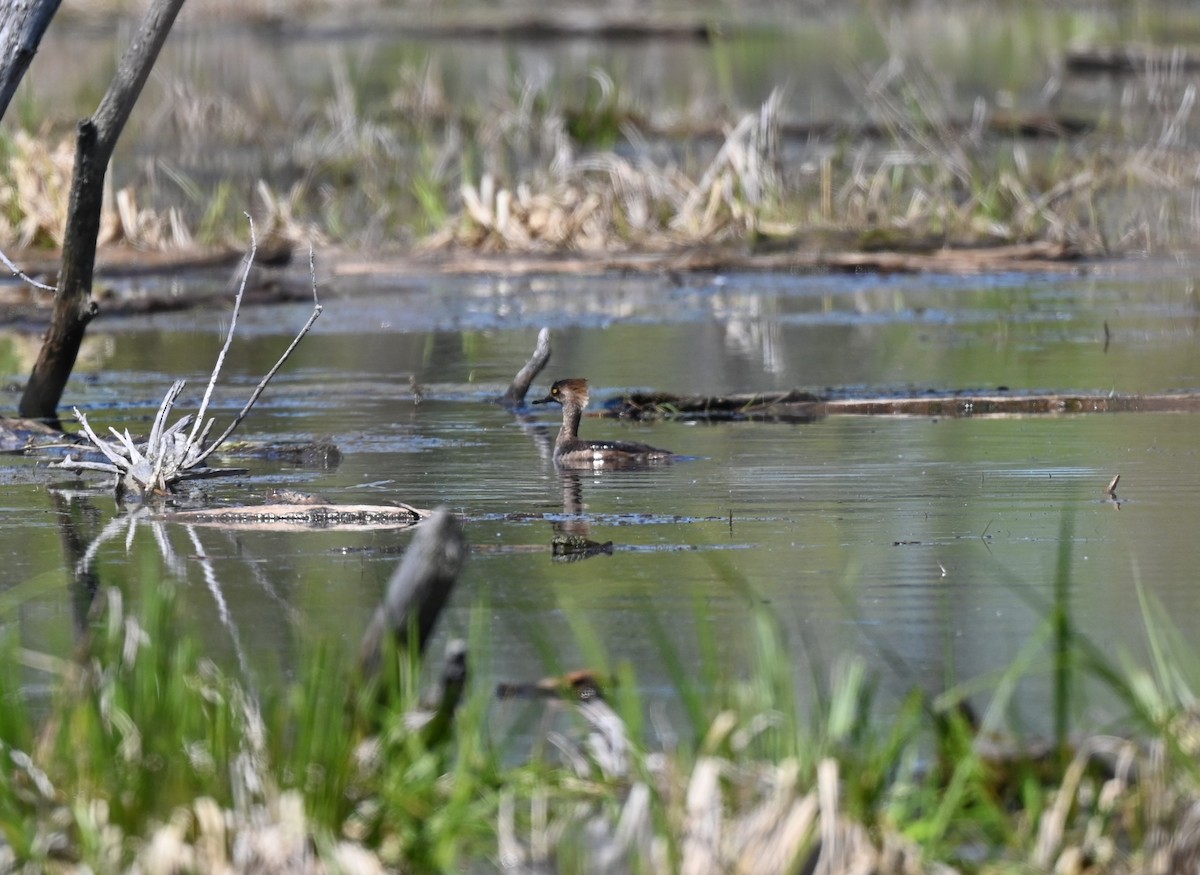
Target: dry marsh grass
[
  {"x": 529, "y": 168},
  {"x": 35, "y": 189},
  {"x": 35, "y": 192},
  {"x": 603, "y": 201}
]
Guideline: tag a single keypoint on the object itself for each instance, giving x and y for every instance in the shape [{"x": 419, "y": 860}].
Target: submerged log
[
  {"x": 22, "y": 435},
  {"x": 800, "y": 406}
]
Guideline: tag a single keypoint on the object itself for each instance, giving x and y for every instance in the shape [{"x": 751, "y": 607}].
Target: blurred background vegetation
[{"x": 512, "y": 127}]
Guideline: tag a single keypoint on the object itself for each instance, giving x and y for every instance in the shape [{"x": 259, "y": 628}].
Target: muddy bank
[{"x": 132, "y": 282}]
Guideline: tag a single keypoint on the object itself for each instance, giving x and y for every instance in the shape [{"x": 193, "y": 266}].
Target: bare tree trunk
[
  {"x": 97, "y": 137},
  {"x": 22, "y": 23}
]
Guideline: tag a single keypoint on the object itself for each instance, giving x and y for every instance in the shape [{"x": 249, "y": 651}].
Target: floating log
[
  {"x": 304, "y": 517},
  {"x": 799, "y": 255},
  {"x": 1129, "y": 59},
  {"x": 800, "y": 406},
  {"x": 544, "y": 24},
  {"x": 1027, "y": 125}
]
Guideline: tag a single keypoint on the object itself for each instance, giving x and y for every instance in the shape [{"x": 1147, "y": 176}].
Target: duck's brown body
[{"x": 572, "y": 451}]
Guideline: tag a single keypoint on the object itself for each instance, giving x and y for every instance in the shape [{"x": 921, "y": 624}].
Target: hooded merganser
[{"x": 571, "y": 451}]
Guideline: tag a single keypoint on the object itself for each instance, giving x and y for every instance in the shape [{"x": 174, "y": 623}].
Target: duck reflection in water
[{"x": 572, "y": 541}]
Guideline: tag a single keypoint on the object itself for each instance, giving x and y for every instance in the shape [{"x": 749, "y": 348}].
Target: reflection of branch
[
  {"x": 214, "y": 587},
  {"x": 85, "y": 583},
  {"x": 543, "y": 438},
  {"x": 174, "y": 561},
  {"x": 572, "y": 495},
  {"x": 257, "y": 572},
  {"x": 126, "y": 523},
  {"x": 515, "y": 396}
]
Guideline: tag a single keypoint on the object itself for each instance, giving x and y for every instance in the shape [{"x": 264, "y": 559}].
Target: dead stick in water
[
  {"x": 262, "y": 384},
  {"x": 515, "y": 396},
  {"x": 418, "y": 590}
]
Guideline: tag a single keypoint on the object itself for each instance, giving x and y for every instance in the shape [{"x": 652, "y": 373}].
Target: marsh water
[{"x": 928, "y": 546}]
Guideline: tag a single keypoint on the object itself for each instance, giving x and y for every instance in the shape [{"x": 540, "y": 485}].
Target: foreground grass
[{"x": 148, "y": 758}]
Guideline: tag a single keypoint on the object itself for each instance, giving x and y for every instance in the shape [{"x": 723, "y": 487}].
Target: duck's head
[{"x": 570, "y": 390}]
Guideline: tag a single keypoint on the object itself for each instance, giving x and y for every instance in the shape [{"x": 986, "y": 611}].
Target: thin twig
[
  {"x": 101, "y": 444},
  {"x": 237, "y": 306},
  {"x": 262, "y": 385},
  {"x": 17, "y": 272},
  {"x": 203, "y": 437},
  {"x": 164, "y": 410},
  {"x": 84, "y": 465}
]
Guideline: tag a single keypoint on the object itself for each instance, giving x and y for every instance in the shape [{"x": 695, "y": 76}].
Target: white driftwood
[{"x": 170, "y": 456}]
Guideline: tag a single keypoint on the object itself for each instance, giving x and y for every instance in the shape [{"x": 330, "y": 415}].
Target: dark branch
[
  {"x": 97, "y": 137},
  {"x": 418, "y": 590},
  {"x": 22, "y": 24},
  {"x": 515, "y": 396}
]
